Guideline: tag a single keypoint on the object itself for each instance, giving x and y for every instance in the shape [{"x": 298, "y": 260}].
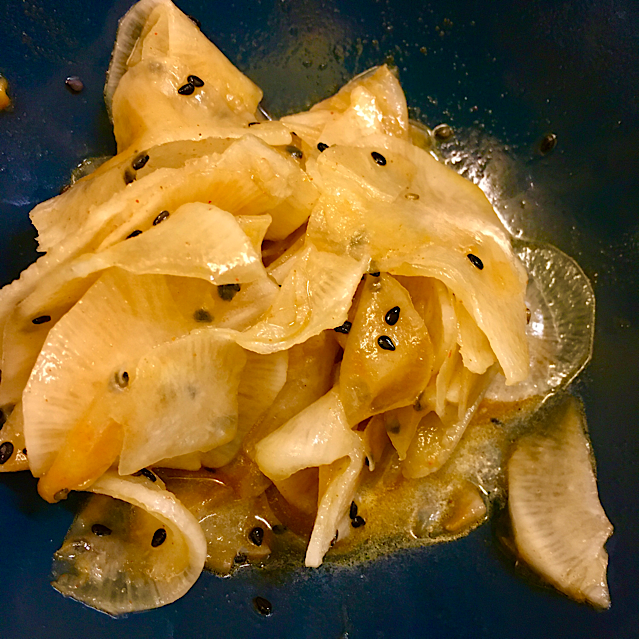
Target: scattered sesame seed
[
  {"x": 375, "y": 274},
  {"x": 145, "y": 472},
  {"x": 139, "y": 162},
  {"x": 41, "y": 319},
  {"x": 228, "y": 291},
  {"x": 240, "y": 558},
  {"x": 121, "y": 379},
  {"x": 345, "y": 328},
  {"x": 74, "y": 84},
  {"x": 203, "y": 316},
  {"x": 352, "y": 512},
  {"x": 548, "y": 143},
  {"x": 129, "y": 176},
  {"x": 6, "y": 450},
  {"x": 134, "y": 234},
  {"x": 159, "y": 537},
  {"x": 100, "y": 530},
  {"x": 412, "y": 196},
  {"x": 385, "y": 343},
  {"x": 357, "y": 522},
  {"x": 186, "y": 89},
  {"x": 61, "y": 494},
  {"x": 295, "y": 152},
  {"x": 195, "y": 80},
  {"x": 278, "y": 529},
  {"x": 392, "y": 316},
  {"x": 253, "y": 123},
  {"x": 475, "y": 261},
  {"x": 263, "y": 606},
  {"x": 162, "y": 215},
  {"x": 321, "y": 147},
  {"x": 196, "y": 22},
  {"x": 528, "y": 315},
  {"x": 379, "y": 158},
  {"x": 495, "y": 421},
  {"x": 257, "y": 535}
]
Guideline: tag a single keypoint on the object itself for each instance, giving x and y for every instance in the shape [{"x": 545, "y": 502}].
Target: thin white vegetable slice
[
  {"x": 262, "y": 379},
  {"x": 314, "y": 296},
  {"x": 169, "y": 49},
  {"x": 119, "y": 319},
  {"x": 559, "y": 525},
  {"x": 319, "y": 436},
  {"x": 127, "y": 570},
  {"x": 182, "y": 398}
]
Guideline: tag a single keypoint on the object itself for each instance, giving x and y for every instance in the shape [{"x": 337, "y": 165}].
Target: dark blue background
[{"x": 513, "y": 70}]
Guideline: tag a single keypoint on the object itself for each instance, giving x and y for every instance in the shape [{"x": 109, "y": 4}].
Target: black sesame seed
[
  {"x": 257, "y": 535},
  {"x": 352, "y": 512},
  {"x": 6, "y": 450},
  {"x": 295, "y": 152},
  {"x": 321, "y": 147},
  {"x": 228, "y": 291},
  {"x": 195, "y": 80},
  {"x": 392, "y": 316},
  {"x": 134, "y": 234},
  {"x": 375, "y": 274},
  {"x": 41, "y": 319},
  {"x": 548, "y": 143},
  {"x": 186, "y": 89},
  {"x": 386, "y": 343},
  {"x": 162, "y": 215},
  {"x": 74, "y": 84},
  {"x": 263, "y": 606},
  {"x": 24, "y": 451},
  {"x": 379, "y": 158},
  {"x": 367, "y": 461},
  {"x": 100, "y": 530},
  {"x": 253, "y": 123},
  {"x": 5, "y": 411},
  {"x": 203, "y": 316},
  {"x": 121, "y": 379},
  {"x": 129, "y": 176},
  {"x": 240, "y": 558},
  {"x": 495, "y": 421},
  {"x": 145, "y": 472},
  {"x": 65, "y": 188},
  {"x": 140, "y": 161},
  {"x": 278, "y": 529},
  {"x": 528, "y": 315},
  {"x": 159, "y": 537},
  {"x": 195, "y": 21},
  {"x": 443, "y": 132},
  {"x": 334, "y": 540},
  {"x": 412, "y": 196},
  {"x": 475, "y": 261},
  {"x": 345, "y": 328},
  {"x": 358, "y": 521}
]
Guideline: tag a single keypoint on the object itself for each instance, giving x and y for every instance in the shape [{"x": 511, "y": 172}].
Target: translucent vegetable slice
[
  {"x": 134, "y": 547},
  {"x": 86, "y": 354},
  {"x": 450, "y": 233},
  {"x": 181, "y": 398},
  {"x": 559, "y": 525},
  {"x": 562, "y": 323},
  {"x": 315, "y": 296},
  {"x": 319, "y": 436},
  {"x": 262, "y": 379},
  {"x": 170, "y": 48},
  {"x": 388, "y": 354}
]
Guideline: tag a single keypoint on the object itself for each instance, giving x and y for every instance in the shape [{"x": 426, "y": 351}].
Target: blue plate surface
[{"x": 503, "y": 74}]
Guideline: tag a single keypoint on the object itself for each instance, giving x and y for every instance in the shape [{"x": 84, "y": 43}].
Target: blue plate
[{"x": 512, "y": 72}]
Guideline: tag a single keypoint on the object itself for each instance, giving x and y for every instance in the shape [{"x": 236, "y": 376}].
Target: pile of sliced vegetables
[{"x": 286, "y": 321}]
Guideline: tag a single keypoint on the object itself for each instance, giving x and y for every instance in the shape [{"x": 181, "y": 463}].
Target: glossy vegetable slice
[
  {"x": 314, "y": 296},
  {"x": 134, "y": 547},
  {"x": 385, "y": 365},
  {"x": 559, "y": 524},
  {"x": 181, "y": 398},
  {"x": 319, "y": 436},
  {"x": 170, "y": 47},
  {"x": 88, "y": 351}
]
